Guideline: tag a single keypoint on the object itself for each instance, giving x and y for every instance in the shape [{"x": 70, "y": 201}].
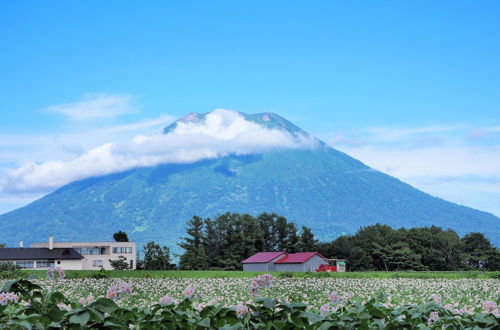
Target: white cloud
[
  {"x": 440, "y": 160},
  {"x": 95, "y": 106},
  {"x": 220, "y": 133},
  {"x": 65, "y": 145},
  {"x": 400, "y": 133}
]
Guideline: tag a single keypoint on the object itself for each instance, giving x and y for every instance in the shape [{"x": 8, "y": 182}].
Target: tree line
[
  {"x": 223, "y": 242},
  {"x": 380, "y": 247}
]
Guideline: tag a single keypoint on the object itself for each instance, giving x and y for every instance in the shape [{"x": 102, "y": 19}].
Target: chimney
[
  {"x": 51, "y": 242},
  {"x": 21, "y": 244}
]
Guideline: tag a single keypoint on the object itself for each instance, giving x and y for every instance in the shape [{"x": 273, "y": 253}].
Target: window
[
  {"x": 84, "y": 250},
  {"x": 122, "y": 250},
  {"x": 97, "y": 263},
  {"x": 25, "y": 264},
  {"x": 45, "y": 264}
]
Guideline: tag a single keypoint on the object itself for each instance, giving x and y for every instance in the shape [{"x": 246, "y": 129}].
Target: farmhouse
[
  {"x": 70, "y": 255},
  {"x": 262, "y": 262},
  {"x": 42, "y": 258},
  {"x": 95, "y": 254}
]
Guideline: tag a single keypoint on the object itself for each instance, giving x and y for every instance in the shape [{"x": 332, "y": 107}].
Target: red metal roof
[
  {"x": 298, "y": 258},
  {"x": 262, "y": 257}
]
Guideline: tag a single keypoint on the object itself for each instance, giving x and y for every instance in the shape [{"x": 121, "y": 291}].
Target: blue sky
[{"x": 411, "y": 88}]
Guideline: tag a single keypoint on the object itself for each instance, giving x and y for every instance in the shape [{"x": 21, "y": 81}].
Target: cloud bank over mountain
[
  {"x": 458, "y": 162},
  {"x": 217, "y": 134}
]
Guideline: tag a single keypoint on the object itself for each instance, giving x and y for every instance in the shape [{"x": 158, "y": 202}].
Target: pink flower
[
  {"x": 82, "y": 300},
  {"x": 334, "y": 297},
  {"x": 5, "y": 298},
  {"x": 60, "y": 272},
  {"x": 436, "y": 298},
  {"x": 254, "y": 292},
  {"x": 489, "y": 306},
  {"x": 324, "y": 309},
  {"x": 188, "y": 292},
  {"x": 50, "y": 273},
  {"x": 125, "y": 287},
  {"x": 433, "y": 317},
  {"x": 112, "y": 292},
  {"x": 241, "y": 310},
  {"x": 449, "y": 307},
  {"x": 166, "y": 300}
]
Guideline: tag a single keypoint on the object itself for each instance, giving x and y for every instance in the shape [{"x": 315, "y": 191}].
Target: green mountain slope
[{"x": 322, "y": 188}]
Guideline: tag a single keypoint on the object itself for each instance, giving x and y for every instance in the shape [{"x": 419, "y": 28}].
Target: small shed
[
  {"x": 262, "y": 261},
  {"x": 339, "y": 264},
  {"x": 300, "y": 262}
]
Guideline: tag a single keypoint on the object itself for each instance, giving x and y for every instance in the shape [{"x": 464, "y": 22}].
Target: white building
[
  {"x": 96, "y": 254},
  {"x": 42, "y": 258}
]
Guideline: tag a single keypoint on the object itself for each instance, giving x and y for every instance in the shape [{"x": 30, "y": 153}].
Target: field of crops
[
  {"x": 466, "y": 294},
  {"x": 241, "y": 274},
  {"x": 190, "y": 301}
]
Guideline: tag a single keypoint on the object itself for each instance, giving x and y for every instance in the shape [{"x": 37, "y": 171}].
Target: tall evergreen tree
[
  {"x": 293, "y": 239},
  {"x": 194, "y": 256},
  {"x": 307, "y": 242}
]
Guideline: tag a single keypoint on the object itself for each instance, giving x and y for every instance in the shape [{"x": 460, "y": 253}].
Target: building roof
[
  {"x": 298, "y": 258},
  {"x": 38, "y": 254},
  {"x": 262, "y": 257}
]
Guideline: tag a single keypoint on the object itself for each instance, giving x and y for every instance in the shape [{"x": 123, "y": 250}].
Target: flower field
[
  {"x": 242, "y": 303},
  {"x": 467, "y": 294}
]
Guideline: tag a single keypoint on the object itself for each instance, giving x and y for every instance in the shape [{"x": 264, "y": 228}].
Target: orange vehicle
[
  {"x": 326, "y": 268},
  {"x": 334, "y": 265}
]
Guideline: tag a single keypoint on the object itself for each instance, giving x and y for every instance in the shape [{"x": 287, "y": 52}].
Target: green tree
[
  {"x": 155, "y": 257},
  {"x": 344, "y": 247},
  {"x": 194, "y": 256},
  {"x": 479, "y": 253},
  {"x": 307, "y": 242},
  {"x": 120, "y": 236},
  {"x": 293, "y": 239},
  {"x": 120, "y": 263},
  {"x": 3, "y": 245},
  {"x": 268, "y": 236}
]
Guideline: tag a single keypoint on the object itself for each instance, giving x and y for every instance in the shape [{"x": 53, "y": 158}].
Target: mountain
[{"x": 319, "y": 187}]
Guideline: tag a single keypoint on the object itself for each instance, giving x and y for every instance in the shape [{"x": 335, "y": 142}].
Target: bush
[
  {"x": 494, "y": 275},
  {"x": 102, "y": 273},
  {"x": 285, "y": 275},
  {"x": 9, "y": 271}
]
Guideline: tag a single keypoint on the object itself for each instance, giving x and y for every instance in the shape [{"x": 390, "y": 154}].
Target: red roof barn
[
  {"x": 262, "y": 261},
  {"x": 281, "y": 261},
  {"x": 300, "y": 262}
]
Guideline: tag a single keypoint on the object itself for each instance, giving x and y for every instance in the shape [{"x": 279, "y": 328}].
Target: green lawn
[{"x": 241, "y": 274}]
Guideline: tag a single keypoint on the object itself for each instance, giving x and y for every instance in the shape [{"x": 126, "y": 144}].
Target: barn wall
[
  {"x": 255, "y": 267},
  {"x": 313, "y": 263},
  {"x": 289, "y": 268},
  {"x": 272, "y": 265},
  {"x": 309, "y": 265}
]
